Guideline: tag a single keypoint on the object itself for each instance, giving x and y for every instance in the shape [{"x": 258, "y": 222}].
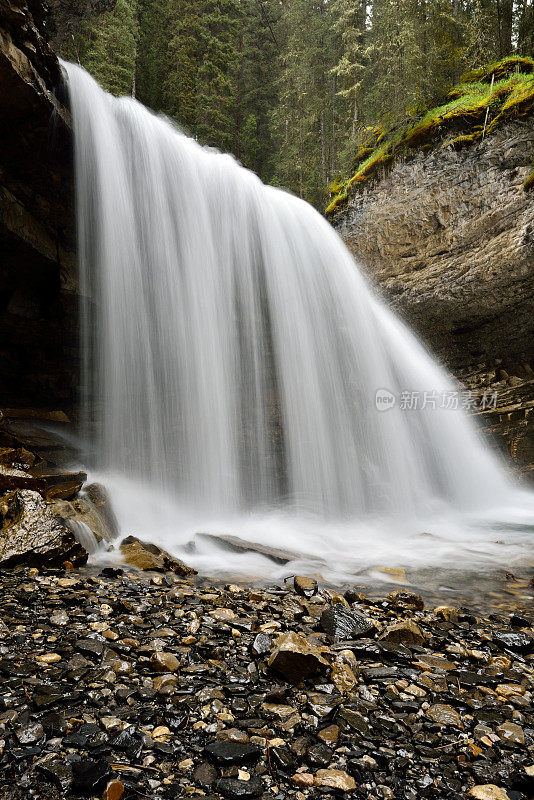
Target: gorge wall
[
  {"x": 38, "y": 340},
  {"x": 448, "y": 236}
]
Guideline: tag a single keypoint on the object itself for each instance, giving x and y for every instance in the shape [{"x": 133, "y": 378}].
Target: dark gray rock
[{"x": 341, "y": 623}]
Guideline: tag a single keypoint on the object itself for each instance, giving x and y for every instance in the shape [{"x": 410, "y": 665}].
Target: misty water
[{"x": 233, "y": 353}]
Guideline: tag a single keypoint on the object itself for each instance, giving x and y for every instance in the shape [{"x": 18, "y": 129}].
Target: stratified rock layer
[
  {"x": 38, "y": 340},
  {"x": 449, "y": 238}
]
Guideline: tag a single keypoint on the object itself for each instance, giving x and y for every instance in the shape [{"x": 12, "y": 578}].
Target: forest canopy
[{"x": 291, "y": 87}]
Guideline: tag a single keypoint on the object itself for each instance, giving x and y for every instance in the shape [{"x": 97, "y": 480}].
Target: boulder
[
  {"x": 51, "y": 485},
  {"x": 146, "y": 556},
  {"x": 83, "y": 510},
  {"x": 31, "y": 534}
]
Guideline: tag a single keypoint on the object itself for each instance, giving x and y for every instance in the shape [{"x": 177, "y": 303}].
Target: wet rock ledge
[{"x": 128, "y": 684}]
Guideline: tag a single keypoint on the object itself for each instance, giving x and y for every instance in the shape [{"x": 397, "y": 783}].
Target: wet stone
[
  {"x": 295, "y": 657},
  {"x": 113, "y": 791},
  {"x": 205, "y": 775},
  {"x": 89, "y": 776},
  {"x": 30, "y": 733},
  {"x": 510, "y": 732},
  {"x": 329, "y": 735},
  {"x": 90, "y": 648},
  {"x": 56, "y": 771},
  {"x": 306, "y": 587},
  {"x": 340, "y": 623},
  {"x": 319, "y": 755},
  {"x": 404, "y": 599},
  {"x": 233, "y": 752},
  {"x": 235, "y": 789},
  {"x": 406, "y": 631},
  {"x": 335, "y": 779},
  {"x": 443, "y": 715},
  {"x": 165, "y": 684},
  {"x": 165, "y": 662},
  {"x": 404, "y": 721},
  {"x": 262, "y": 644},
  {"x": 517, "y": 641}
]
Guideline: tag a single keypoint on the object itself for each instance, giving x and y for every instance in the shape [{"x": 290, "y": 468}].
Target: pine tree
[
  {"x": 255, "y": 85},
  {"x": 302, "y": 120},
  {"x": 111, "y": 48}
]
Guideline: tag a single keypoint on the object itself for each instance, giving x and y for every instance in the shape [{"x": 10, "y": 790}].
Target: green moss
[
  {"x": 473, "y": 108},
  {"x": 500, "y": 69},
  {"x": 529, "y": 183}
]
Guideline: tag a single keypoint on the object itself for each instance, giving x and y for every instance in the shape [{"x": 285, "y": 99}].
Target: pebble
[
  {"x": 113, "y": 791},
  {"x": 305, "y": 587},
  {"x": 406, "y": 631},
  {"x": 488, "y": 791},
  {"x": 335, "y": 779},
  {"x": 444, "y": 715}
]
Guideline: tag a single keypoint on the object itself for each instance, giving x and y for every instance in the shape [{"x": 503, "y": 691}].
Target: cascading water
[{"x": 235, "y": 352}]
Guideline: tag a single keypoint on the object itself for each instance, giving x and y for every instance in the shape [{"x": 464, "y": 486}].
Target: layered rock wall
[
  {"x": 37, "y": 269},
  {"x": 448, "y": 237}
]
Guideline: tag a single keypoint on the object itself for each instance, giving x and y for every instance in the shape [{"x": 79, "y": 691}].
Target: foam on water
[{"x": 233, "y": 351}]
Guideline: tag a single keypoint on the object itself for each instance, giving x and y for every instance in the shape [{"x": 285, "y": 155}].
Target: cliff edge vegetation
[{"x": 482, "y": 100}]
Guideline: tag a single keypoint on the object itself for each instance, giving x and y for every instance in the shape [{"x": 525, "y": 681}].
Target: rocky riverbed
[{"x": 148, "y": 684}]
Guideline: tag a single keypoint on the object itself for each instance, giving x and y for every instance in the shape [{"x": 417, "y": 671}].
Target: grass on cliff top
[{"x": 460, "y": 120}]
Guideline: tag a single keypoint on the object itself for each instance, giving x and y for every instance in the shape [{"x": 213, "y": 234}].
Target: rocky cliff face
[
  {"x": 449, "y": 238},
  {"x": 37, "y": 300}
]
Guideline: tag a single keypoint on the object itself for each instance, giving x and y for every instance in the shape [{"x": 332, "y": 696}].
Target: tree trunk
[
  {"x": 333, "y": 149},
  {"x": 324, "y": 166},
  {"x": 355, "y": 114}
]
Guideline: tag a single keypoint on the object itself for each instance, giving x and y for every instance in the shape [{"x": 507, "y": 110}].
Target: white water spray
[{"x": 235, "y": 352}]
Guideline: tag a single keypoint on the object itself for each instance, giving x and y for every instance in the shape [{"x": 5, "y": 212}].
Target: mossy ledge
[{"x": 483, "y": 99}]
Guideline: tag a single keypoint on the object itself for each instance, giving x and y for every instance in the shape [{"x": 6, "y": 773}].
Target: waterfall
[{"x": 235, "y": 352}]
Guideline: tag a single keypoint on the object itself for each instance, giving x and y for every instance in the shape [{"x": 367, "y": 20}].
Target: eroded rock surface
[
  {"x": 31, "y": 534},
  {"x": 448, "y": 236}
]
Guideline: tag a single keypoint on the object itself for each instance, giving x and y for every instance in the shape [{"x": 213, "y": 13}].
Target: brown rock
[
  {"x": 431, "y": 662},
  {"x": 165, "y": 662},
  {"x": 99, "y": 497},
  {"x": 343, "y": 677},
  {"x": 303, "y": 780},
  {"x": 165, "y": 684},
  {"x": 444, "y": 715},
  {"x": 113, "y": 791},
  {"x": 329, "y": 735},
  {"x": 146, "y": 556},
  {"x": 306, "y": 587},
  {"x": 335, "y": 779},
  {"x": 403, "y": 599},
  {"x": 488, "y": 791},
  {"x": 406, "y": 631},
  {"x": 295, "y": 657},
  {"x": 510, "y": 732},
  {"x": 447, "y": 613}
]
